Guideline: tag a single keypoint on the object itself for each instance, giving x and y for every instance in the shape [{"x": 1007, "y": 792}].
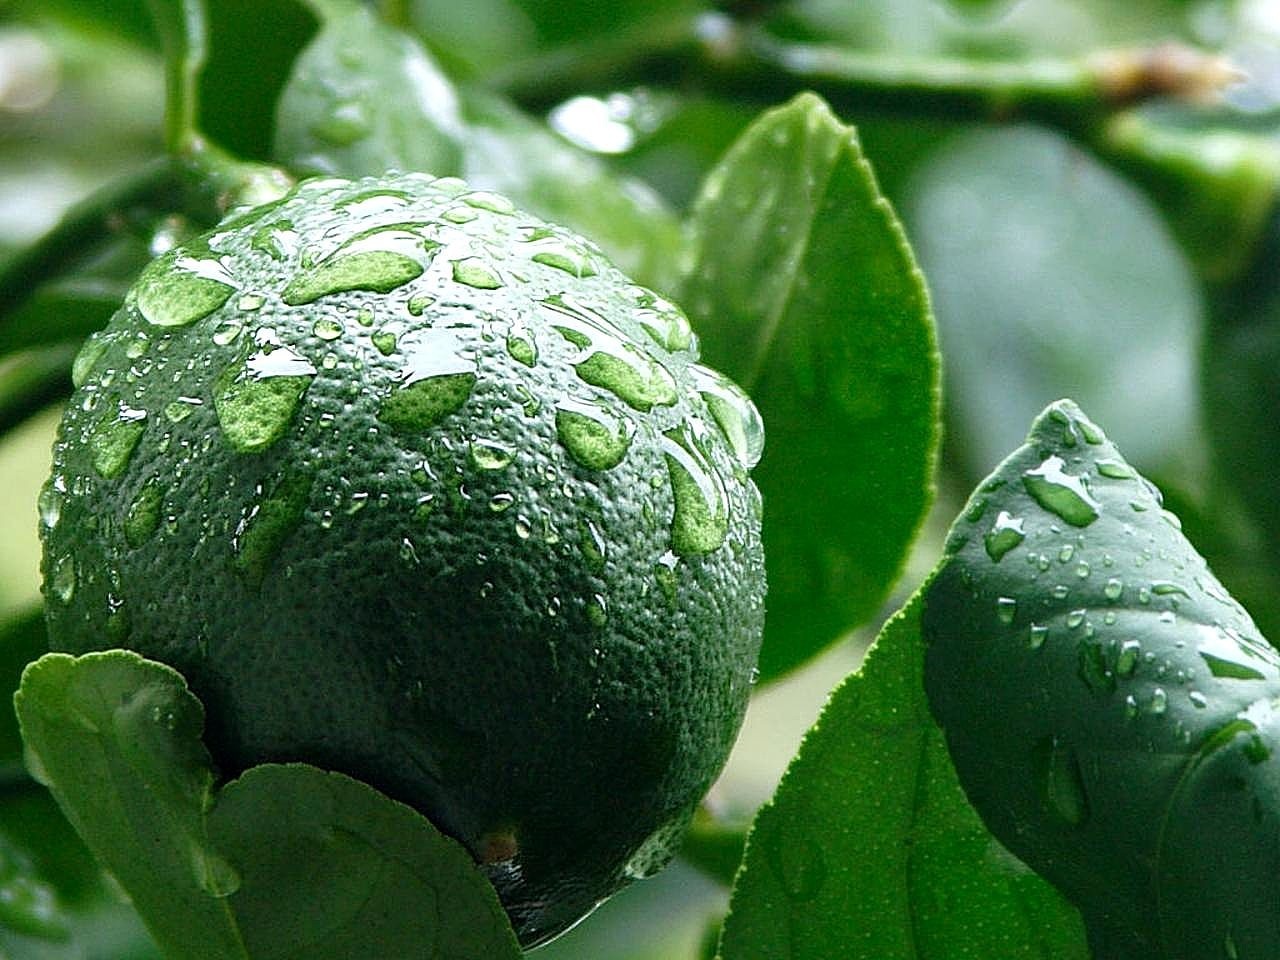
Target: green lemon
[{"x": 415, "y": 486}]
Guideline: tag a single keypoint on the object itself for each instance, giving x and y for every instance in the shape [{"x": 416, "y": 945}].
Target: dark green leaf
[
  {"x": 252, "y": 48},
  {"x": 805, "y": 291},
  {"x": 22, "y": 640},
  {"x": 869, "y": 849},
  {"x": 284, "y": 862},
  {"x": 366, "y": 98},
  {"x": 1109, "y": 708}
]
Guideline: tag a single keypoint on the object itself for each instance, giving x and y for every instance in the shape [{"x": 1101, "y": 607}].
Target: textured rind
[
  {"x": 371, "y": 599},
  {"x": 1127, "y": 752}
]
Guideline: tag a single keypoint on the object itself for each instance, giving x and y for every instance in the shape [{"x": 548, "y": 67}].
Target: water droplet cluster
[{"x": 1101, "y": 692}]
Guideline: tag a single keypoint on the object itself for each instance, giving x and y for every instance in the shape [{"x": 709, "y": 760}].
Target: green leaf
[
  {"x": 870, "y": 851},
  {"x": 251, "y": 52},
  {"x": 286, "y": 861},
  {"x": 22, "y": 639},
  {"x": 33, "y": 923},
  {"x": 804, "y": 290},
  {"x": 1111, "y": 711},
  {"x": 366, "y": 98}
]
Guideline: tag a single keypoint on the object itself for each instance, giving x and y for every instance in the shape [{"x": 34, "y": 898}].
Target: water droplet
[
  {"x": 1082, "y": 569},
  {"x": 62, "y": 579},
  {"x": 214, "y": 874},
  {"x": 417, "y": 306},
  {"x": 593, "y": 436},
  {"x": 663, "y": 321},
  {"x": 1060, "y": 591},
  {"x": 597, "y": 611},
  {"x": 523, "y": 349},
  {"x": 345, "y": 124},
  {"x": 664, "y": 571},
  {"x": 1198, "y": 699},
  {"x": 1060, "y": 493},
  {"x": 565, "y": 256},
  {"x": 608, "y": 360},
  {"x": 88, "y": 356},
  {"x": 143, "y": 516},
  {"x": 1006, "y": 608},
  {"x": 385, "y": 341},
  {"x": 733, "y": 412},
  {"x": 1061, "y": 785},
  {"x": 1230, "y": 655},
  {"x": 1115, "y": 469},
  {"x": 256, "y": 398},
  {"x": 488, "y": 456},
  {"x": 493, "y": 202},
  {"x": 1075, "y": 618},
  {"x": 227, "y": 332},
  {"x": 592, "y": 544},
  {"x": 378, "y": 271},
  {"x": 1113, "y": 589},
  {"x": 1127, "y": 658},
  {"x": 180, "y": 409},
  {"x": 138, "y": 347},
  {"x": 1037, "y": 635},
  {"x": 1066, "y": 553},
  {"x": 474, "y": 272},
  {"x": 267, "y": 524},
  {"x": 437, "y": 379},
  {"x": 700, "y": 520},
  {"x": 327, "y": 328},
  {"x": 1005, "y": 534},
  {"x": 114, "y": 439},
  {"x": 1159, "y": 701},
  {"x": 179, "y": 289},
  {"x": 1163, "y": 588},
  {"x": 50, "y": 501}
]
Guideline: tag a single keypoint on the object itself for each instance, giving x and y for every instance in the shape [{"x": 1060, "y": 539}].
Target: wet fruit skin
[{"x": 414, "y": 486}]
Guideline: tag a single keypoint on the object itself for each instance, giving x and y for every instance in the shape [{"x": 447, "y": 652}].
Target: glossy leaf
[
  {"x": 805, "y": 291},
  {"x": 869, "y": 849},
  {"x": 286, "y": 861},
  {"x": 365, "y": 98},
  {"x": 1109, "y": 707}
]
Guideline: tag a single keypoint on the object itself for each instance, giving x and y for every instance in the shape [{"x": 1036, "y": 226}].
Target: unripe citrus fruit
[{"x": 412, "y": 485}]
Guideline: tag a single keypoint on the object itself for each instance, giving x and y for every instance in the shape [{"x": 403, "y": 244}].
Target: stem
[
  {"x": 97, "y": 218},
  {"x": 747, "y": 62},
  {"x": 183, "y": 29}
]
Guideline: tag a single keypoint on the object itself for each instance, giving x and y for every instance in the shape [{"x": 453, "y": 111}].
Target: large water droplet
[
  {"x": 593, "y": 436},
  {"x": 474, "y": 272},
  {"x": 1228, "y": 655},
  {"x": 594, "y": 550},
  {"x": 52, "y": 496},
  {"x": 663, "y": 321},
  {"x": 563, "y": 255},
  {"x": 522, "y": 348},
  {"x": 90, "y": 353},
  {"x": 701, "y": 518},
  {"x": 256, "y": 398},
  {"x": 1006, "y": 609},
  {"x": 1005, "y": 534},
  {"x": 1115, "y": 470},
  {"x": 267, "y": 524},
  {"x": 114, "y": 439},
  {"x": 179, "y": 289},
  {"x": 488, "y": 456},
  {"x": 379, "y": 271},
  {"x": 1061, "y": 785},
  {"x": 734, "y": 413},
  {"x": 436, "y": 380},
  {"x": 1060, "y": 493},
  {"x": 610, "y": 361},
  {"x": 493, "y": 202}
]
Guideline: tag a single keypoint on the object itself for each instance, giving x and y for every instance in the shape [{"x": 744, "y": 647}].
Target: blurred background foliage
[{"x": 1063, "y": 259}]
